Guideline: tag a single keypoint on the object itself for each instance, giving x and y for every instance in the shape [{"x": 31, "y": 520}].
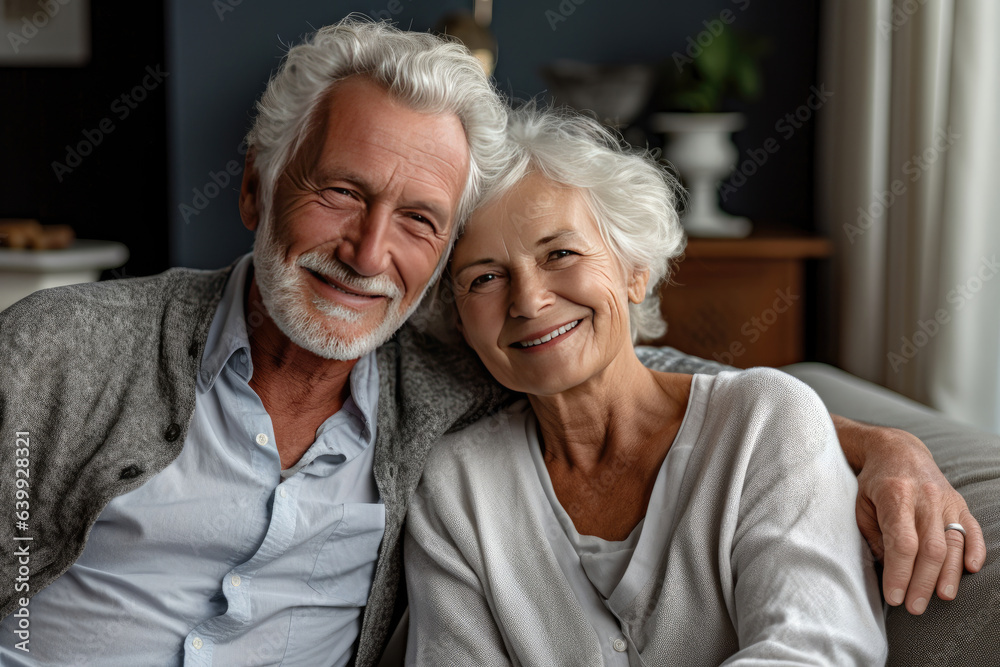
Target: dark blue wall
[{"x": 220, "y": 64}]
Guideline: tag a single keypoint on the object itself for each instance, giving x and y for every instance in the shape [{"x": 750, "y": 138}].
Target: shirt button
[
  {"x": 261, "y": 439},
  {"x": 235, "y": 580},
  {"x": 197, "y": 643},
  {"x": 243, "y": 357},
  {"x": 619, "y": 645},
  {"x": 282, "y": 492},
  {"x": 172, "y": 432}
]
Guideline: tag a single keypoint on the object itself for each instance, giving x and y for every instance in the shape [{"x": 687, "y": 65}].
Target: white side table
[{"x": 25, "y": 271}]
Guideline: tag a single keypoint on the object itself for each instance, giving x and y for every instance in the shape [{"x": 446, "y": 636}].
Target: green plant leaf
[
  {"x": 746, "y": 79},
  {"x": 693, "y": 100},
  {"x": 728, "y": 67},
  {"x": 714, "y": 60}
]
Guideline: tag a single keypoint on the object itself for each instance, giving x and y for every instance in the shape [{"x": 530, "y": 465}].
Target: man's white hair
[{"x": 425, "y": 72}]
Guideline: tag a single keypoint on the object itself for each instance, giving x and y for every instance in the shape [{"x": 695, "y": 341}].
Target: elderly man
[{"x": 218, "y": 463}]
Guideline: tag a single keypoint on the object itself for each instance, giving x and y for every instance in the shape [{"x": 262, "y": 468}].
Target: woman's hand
[{"x": 904, "y": 503}]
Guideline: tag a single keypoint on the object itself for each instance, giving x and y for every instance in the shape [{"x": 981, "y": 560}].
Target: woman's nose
[{"x": 529, "y": 294}]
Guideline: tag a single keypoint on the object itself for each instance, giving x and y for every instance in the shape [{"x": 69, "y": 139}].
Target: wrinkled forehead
[
  {"x": 359, "y": 102},
  {"x": 533, "y": 199},
  {"x": 533, "y": 212}
]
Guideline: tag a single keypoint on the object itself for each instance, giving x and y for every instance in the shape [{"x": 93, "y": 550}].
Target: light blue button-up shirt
[{"x": 223, "y": 558}]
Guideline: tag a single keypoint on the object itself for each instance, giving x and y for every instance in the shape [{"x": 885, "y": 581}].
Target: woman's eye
[
  {"x": 479, "y": 281},
  {"x": 559, "y": 254}
]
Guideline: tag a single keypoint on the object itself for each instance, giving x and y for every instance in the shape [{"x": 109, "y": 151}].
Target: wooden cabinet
[{"x": 742, "y": 301}]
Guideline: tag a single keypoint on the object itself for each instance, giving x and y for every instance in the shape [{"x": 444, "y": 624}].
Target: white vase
[{"x": 700, "y": 148}]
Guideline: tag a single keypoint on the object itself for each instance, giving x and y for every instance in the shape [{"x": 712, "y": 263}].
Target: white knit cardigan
[{"x": 764, "y": 563}]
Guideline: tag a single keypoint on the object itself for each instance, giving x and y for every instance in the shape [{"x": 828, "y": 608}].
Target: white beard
[{"x": 329, "y": 330}]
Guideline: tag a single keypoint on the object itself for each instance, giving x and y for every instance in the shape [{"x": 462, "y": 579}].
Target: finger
[
  {"x": 927, "y": 567},
  {"x": 899, "y": 547},
  {"x": 868, "y": 525},
  {"x": 975, "y": 544},
  {"x": 951, "y": 569}
]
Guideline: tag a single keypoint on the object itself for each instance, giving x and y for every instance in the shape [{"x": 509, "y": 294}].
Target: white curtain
[{"x": 909, "y": 190}]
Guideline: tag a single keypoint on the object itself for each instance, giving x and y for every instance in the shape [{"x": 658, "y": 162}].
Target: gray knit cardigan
[{"x": 102, "y": 377}]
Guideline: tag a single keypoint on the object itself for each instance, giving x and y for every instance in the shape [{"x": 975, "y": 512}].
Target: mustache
[{"x": 344, "y": 274}]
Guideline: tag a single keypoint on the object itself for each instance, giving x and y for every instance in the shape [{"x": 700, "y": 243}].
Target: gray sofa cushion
[{"x": 965, "y": 631}]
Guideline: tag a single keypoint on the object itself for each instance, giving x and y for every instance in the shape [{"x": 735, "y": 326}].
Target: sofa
[{"x": 965, "y": 631}]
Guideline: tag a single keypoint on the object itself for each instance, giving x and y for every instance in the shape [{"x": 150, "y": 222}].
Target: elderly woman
[{"x": 619, "y": 515}]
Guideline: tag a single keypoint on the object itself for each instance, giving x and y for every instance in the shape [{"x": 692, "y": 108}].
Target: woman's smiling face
[{"x": 541, "y": 298}]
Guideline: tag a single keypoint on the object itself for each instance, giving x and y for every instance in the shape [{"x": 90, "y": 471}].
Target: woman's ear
[{"x": 637, "y": 285}]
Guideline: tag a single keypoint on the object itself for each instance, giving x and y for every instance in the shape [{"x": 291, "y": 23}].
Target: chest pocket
[{"x": 345, "y": 565}]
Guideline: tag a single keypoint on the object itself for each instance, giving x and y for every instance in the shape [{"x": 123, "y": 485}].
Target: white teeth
[
  {"x": 340, "y": 289},
  {"x": 549, "y": 336},
  {"x": 336, "y": 287},
  {"x": 343, "y": 290}
]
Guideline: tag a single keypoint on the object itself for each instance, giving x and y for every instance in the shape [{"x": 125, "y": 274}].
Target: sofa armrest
[{"x": 965, "y": 631}]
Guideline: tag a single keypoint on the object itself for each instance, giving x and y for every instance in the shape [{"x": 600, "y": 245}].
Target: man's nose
[
  {"x": 366, "y": 247},
  {"x": 529, "y": 294}
]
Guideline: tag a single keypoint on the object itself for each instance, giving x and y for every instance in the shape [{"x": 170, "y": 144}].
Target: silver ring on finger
[{"x": 955, "y": 526}]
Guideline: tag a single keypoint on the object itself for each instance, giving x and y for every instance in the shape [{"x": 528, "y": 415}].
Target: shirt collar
[
  {"x": 349, "y": 432},
  {"x": 364, "y": 390},
  {"x": 228, "y": 333}
]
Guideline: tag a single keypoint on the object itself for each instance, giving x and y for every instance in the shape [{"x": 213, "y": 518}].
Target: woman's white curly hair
[{"x": 632, "y": 197}]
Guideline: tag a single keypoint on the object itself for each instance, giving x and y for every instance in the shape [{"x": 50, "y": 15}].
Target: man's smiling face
[{"x": 360, "y": 220}]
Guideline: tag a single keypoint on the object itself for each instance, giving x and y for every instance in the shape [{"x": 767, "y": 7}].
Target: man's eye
[
  {"x": 424, "y": 225},
  {"x": 341, "y": 191}
]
